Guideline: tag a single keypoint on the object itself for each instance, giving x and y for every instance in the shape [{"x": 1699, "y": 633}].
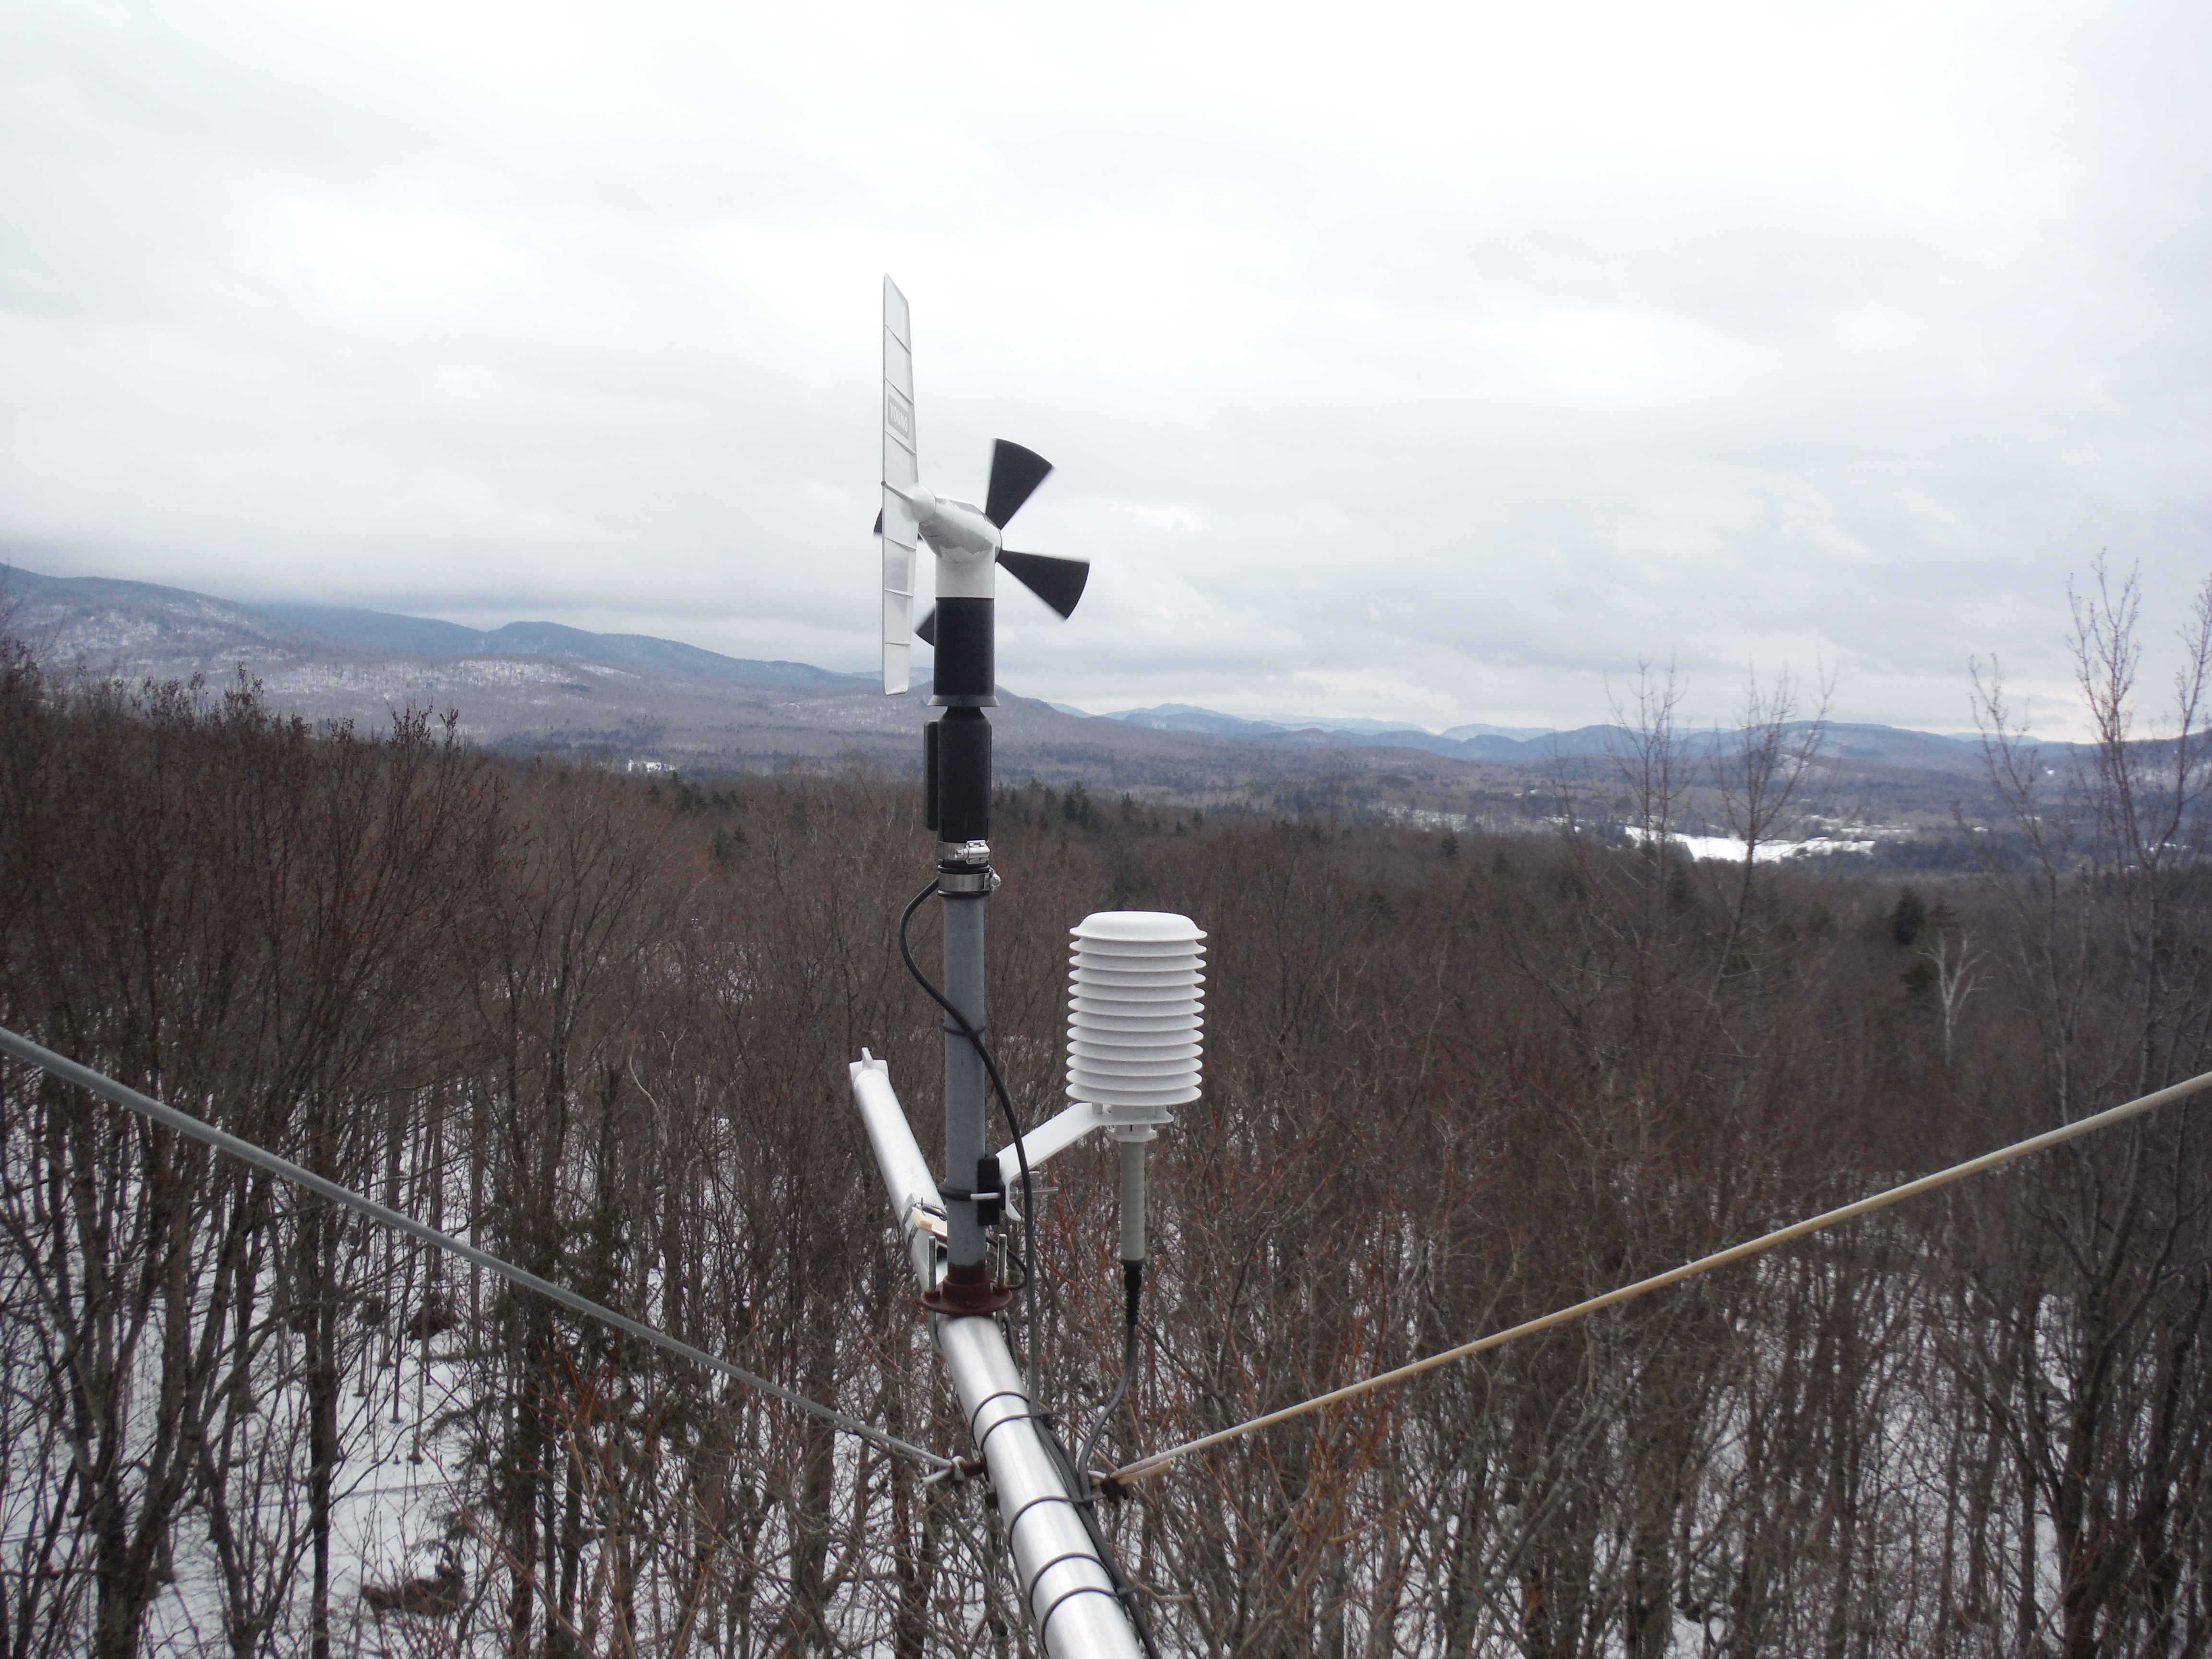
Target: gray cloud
[{"x": 1442, "y": 367}]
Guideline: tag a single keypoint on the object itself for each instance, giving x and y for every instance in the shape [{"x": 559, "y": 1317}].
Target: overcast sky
[{"x": 1435, "y": 363}]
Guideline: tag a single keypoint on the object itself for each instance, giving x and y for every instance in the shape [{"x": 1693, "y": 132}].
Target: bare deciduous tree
[{"x": 601, "y": 1024}]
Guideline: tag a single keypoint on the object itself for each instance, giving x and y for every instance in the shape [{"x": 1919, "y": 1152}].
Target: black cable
[
  {"x": 1132, "y": 1286},
  {"x": 1014, "y": 1123},
  {"x": 1133, "y": 1291},
  {"x": 1087, "y": 1507}
]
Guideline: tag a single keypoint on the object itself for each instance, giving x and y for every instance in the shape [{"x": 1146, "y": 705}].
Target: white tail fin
[{"x": 902, "y": 472}]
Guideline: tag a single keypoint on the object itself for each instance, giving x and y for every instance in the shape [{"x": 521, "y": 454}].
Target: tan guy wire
[{"x": 1144, "y": 1468}]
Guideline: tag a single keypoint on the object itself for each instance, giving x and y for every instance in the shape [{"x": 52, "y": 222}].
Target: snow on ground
[
  {"x": 1729, "y": 848},
  {"x": 397, "y": 1486}
]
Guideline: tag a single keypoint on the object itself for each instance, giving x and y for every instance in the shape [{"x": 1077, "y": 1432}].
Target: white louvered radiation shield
[{"x": 1136, "y": 1012}]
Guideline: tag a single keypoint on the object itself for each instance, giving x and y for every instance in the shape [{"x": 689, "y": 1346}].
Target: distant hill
[
  {"x": 95, "y": 618},
  {"x": 380, "y": 630},
  {"x": 1877, "y": 745},
  {"x": 1185, "y": 717},
  {"x": 1182, "y": 717},
  {"x": 541, "y": 688}
]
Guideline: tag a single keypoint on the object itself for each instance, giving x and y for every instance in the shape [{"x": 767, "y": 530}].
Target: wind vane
[{"x": 965, "y": 537}]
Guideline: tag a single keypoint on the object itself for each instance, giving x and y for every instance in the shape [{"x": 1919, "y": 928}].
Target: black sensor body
[
  {"x": 956, "y": 774},
  {"x": 965, "y": 674},
  {"x": 956, "y": 754}
]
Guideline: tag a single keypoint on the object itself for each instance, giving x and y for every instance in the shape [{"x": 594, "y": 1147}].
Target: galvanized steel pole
[
  {"x": 1069, "y": 1589},
  {"x": 956, "y": 804},
  {"x": 966, "y": 1100}
]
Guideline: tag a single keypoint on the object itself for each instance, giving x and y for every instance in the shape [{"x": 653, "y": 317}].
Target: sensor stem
[{"x": 1133, "y": 1202}]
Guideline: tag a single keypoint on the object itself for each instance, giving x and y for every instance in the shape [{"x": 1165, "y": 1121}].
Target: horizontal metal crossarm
[
  {"x": 146, "y": 1106},
  {"x": 1144, "y": 1467}
]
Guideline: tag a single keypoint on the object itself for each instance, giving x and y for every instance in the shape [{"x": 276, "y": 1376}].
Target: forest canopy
[{"x": 599, "y": 1025}]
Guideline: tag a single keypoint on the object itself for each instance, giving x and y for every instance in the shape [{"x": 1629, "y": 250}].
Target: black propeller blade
[
  {"x": 1015, "y": 474},
  {"x": 879, "y": 530},
  {"x": 1058, "y": 582}
]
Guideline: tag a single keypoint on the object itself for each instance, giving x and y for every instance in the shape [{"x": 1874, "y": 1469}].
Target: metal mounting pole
[
  {"x": 956, "y": 791},
  {"x": 1058, "y": 1550},
  {"x": 966, "y": 1105},
  {"x": 1069, "y": 1589}
]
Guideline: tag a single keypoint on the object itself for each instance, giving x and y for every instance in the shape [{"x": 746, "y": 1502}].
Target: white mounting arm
[
  {"x": 1058, "y": 1134},
  {"x": 1069, "y": 1588}
]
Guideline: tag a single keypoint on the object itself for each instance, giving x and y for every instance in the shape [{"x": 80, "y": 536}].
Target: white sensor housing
[{"x": 1135, "y": 1014}]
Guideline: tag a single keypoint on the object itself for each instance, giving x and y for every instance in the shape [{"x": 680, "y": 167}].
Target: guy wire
[
  {"x": 1144, "y": 1468},
  {"x": 146, "y": 1106}
]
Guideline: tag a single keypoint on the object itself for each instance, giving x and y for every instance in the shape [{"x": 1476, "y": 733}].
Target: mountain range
[
  {"x": 539, "y": 687},
  {"x": 93, "y": 618},
  {"x": 1185, "y": 717},
  {"x": 1877, "y": 745}
]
